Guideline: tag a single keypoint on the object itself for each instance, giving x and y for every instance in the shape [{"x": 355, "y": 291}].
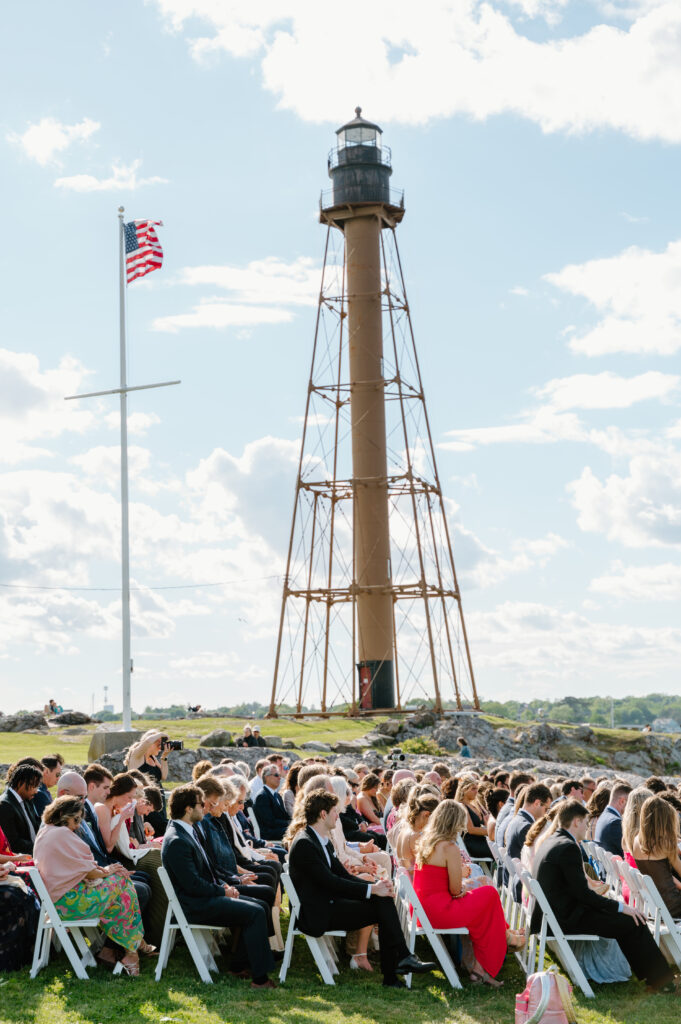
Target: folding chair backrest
[
  {"x": 40, "y": 888},
  {"x": 173, "y": 900},
  {"x": 254, "y": 823},
  {"x": 293, "y": 897}
]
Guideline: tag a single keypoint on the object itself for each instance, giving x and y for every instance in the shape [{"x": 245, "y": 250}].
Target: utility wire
[{"x": 181, "y": 586}]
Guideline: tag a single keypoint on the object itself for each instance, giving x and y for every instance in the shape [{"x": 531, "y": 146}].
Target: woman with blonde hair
[
  {"x": 150, "y": 755},
  {"x": 420, "y": 806},
  {"x": 656, "y": 850},
  {"x": 438, "y": 883}
]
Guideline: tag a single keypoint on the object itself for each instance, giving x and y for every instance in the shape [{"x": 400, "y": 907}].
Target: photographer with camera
[{"x": 150, "y": 755}]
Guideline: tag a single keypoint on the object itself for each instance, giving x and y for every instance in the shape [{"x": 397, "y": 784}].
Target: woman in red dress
[{"x": 439, "y": 884}]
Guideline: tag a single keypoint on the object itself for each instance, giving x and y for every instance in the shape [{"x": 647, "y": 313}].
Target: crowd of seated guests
[{"x": 98, "y": 841}]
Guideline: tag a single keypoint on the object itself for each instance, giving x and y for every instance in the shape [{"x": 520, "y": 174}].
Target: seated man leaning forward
[
  {"x": 331, "y": 898},
  {"x": 204, "y": 899},
  {"x": 559, "y": 869}
]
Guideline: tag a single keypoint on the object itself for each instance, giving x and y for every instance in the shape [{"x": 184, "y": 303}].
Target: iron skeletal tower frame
[{"x": 371, "y": 613}]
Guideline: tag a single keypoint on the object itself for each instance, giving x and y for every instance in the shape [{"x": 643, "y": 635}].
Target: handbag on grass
[{"x": 547, "y": 999}]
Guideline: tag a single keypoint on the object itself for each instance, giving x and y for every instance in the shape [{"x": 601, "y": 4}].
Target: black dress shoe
[
  {"x": 394, "y": 984},
  {"x": 412, "y": 965}
]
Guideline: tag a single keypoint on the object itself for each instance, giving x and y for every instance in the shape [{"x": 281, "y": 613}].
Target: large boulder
[
  {"x": 349, "y": 747},
  {"x": 389, "y": 728},
  {"x": 322, "y": 748},
  {"x": 276, "y": 742},
  {"x": 216, "y": 738},
  {"x": 71, "y": 718},
  {"x": 23, "y": 722},
  {"x": 108, "y": 741}
]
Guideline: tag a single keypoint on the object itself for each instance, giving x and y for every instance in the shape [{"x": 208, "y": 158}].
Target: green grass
[
  {"x": 55, "y": 997},
  {"x": 75, "y": 748}
]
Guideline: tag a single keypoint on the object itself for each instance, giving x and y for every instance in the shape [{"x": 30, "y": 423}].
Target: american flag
[{"x": 143, "y": 252}]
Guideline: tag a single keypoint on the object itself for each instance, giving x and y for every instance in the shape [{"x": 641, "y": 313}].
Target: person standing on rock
[{"x": 464, "y": 749}]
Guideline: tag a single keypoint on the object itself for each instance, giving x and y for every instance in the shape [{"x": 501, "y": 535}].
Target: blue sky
[{"x": 538, "y": 145}]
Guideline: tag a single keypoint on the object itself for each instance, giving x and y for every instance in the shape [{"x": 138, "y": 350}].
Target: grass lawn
[
  {"x": 74, "y": 748},
  {"x": 55, "y": 997}
]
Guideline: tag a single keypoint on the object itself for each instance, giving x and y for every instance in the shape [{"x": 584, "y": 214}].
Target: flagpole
[{"x": 125, "y": 534}]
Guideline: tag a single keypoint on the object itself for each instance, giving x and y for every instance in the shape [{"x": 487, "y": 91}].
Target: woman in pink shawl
[{"x": 78, "y": 887}]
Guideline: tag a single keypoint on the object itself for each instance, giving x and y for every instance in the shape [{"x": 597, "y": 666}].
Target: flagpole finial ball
[
  {"x": 121, "y": 209},
  {"x": 358, "y": 111}
]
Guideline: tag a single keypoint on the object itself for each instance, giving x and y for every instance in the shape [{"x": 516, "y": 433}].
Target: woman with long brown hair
[
  {"x": 656, "y": 850},
  {"x": 368, "y": 803}
]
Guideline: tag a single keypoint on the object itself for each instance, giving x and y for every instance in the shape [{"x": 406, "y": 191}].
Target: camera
[
  {"x": 395, "y": 756},
  {"x": 173, "y": 744}
]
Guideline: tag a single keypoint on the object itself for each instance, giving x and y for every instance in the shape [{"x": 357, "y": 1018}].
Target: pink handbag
[{"x": 547, "y": 999}]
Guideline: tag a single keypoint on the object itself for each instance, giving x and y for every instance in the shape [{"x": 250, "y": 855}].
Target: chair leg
[
  {"x": 569, "y": 961},
  {"x": 164, "y": 951},
  {"x": 446, "y": 962},
  {"x": 86, "y": 956},
  {"x": 43, "y": 935},
  {"x": 288, "y": 951},
  {"x": 196, "y": 955},
  {"x": 71, "y": 951},
  {"x": 320, "y": 959}
]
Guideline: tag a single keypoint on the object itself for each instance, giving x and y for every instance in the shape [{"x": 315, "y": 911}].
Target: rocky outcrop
[
  {"x": 71, "y": 718},
  {"x": 29, "y": 720}
]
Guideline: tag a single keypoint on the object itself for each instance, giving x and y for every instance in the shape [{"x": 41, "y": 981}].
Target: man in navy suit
[
  {"x": 203, "y": 898},
  {"x": 517, "y": 780},
  {"x": 608, "y": 832},
  {"x": 537, "y": 802},
  {"x": 272, "y": 816}
]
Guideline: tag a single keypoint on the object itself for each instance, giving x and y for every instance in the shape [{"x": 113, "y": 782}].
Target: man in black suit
[
  {"x": 608, "y": 832},
  {"x": 517, "y": 780},
  {"x": 272, "y": 816},
  {"x": 16, "y": 818},
  {"x": 559, "y": 869},
  {"x": 331, "y": 898},
  {"x": 204, "y": 899},
  {"x": 537, "y": 802}
]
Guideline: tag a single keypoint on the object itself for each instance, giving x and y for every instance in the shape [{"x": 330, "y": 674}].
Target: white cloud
[
  {"x": 519, "y": 290},
  {"x": 539, "y": 645},
  {"x": 270, "y": 280},
  {"x": 640, "y": 582},
  {"x": 259, "y": 293},
  {"x": 606, "y": 390},
  {"x": 42, "y": 141},
  {"x": 642, "y": 509},
  {"x": 638, "y": 295},
  {"x": 123, "y": 177},
  {"x": 138, "y": 422},
  {"x": 552, "y": 422},
  {"x": 415, "y": 63},
  {"x": 219, "y": 313},
  {"x": 32, "y": 406}
]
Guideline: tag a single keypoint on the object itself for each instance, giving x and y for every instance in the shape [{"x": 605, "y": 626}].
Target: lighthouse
[{"x": 371, "y": 611}]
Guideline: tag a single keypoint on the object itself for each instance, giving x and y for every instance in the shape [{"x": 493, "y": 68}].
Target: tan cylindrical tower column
[{"x": 369, "y": 462}]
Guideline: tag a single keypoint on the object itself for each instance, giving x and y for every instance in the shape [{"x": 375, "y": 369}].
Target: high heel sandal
[
  {"x": 356, "y": 965},
  {"x": 132, "y": 967},
  {"x": 483, "y": 978},
  {"x": 145, "y": 949}
]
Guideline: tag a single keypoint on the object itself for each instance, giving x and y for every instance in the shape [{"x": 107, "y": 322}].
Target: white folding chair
[
  {"x": 51, "y": 925},
  {"x": 527, "y": 956},
  {"x": 645, "y": 897},
  {"x": 552, "y": 935},
  {"x": 198, "y": 937},
  {"x": 254, "y": 822},
  {"x": 413, "y": 912},
  {"x": 321, "y": 946}
]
